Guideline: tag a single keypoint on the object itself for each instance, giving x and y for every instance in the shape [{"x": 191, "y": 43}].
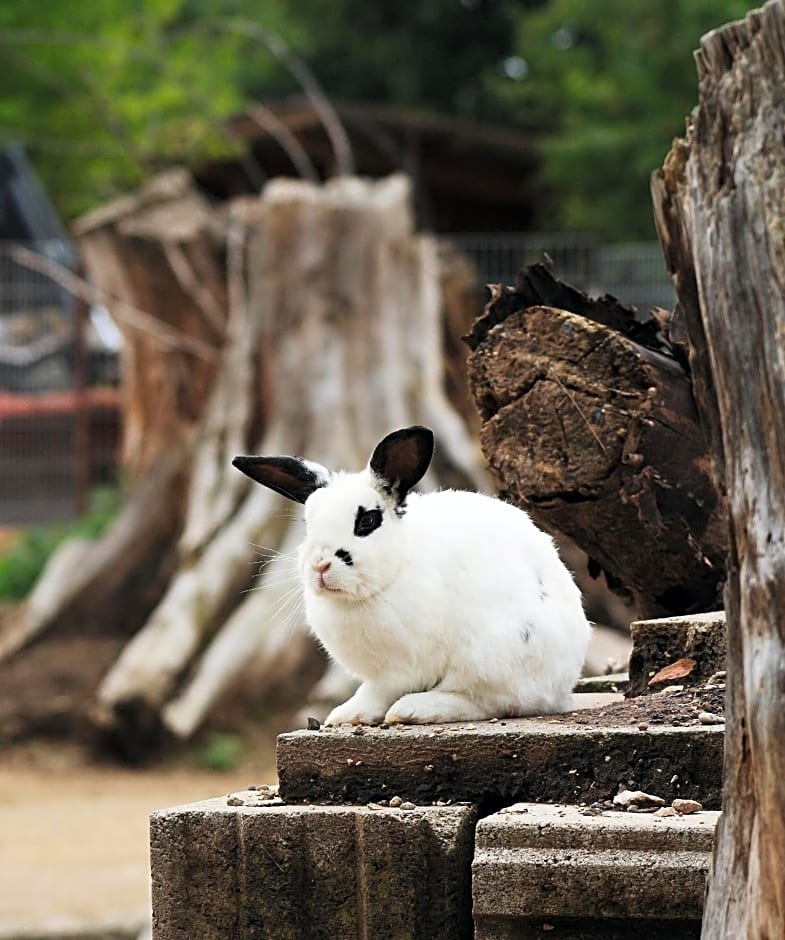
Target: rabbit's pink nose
[{"x": 323, "y": 566}]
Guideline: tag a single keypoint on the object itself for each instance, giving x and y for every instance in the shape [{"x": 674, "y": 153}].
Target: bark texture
[
  {"x": 161, "y": 251},
  {"x": 720, "y": 208},
  {"x": 589, "y": 421}
]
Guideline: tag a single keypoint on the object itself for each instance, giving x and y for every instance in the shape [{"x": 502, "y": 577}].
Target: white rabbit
[{"x": 449, "y": 606}]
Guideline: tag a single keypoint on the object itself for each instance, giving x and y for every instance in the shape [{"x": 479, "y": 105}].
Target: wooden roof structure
[{"x": 468, "y": 176}]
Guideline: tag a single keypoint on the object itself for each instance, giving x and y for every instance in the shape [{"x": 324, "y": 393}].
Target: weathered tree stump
[
  {"x": 161, "y": 251},
  {"x": 720, "y": 209},
  {"x": 144, "y": 251},
  {"x": 309, "y": 321},
  {"x": 597, "y": 436}
]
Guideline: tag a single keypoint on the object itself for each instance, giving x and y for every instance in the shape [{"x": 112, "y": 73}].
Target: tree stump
[
  {"x": 720, "y": 209},
  {"x": 308, "y": 321},
  {"x": 160, "y": 251},
  {"x": 589, "y": 421}
]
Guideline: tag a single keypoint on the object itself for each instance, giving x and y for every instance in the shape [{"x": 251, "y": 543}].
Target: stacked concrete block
[
  {"x": 373, "y": 834},
  {"x": 242, "y": 872},
  {"x": 556, "y": 760},
  {"x": 659, "y": 643},
  {"x": 618, "y": 874}
]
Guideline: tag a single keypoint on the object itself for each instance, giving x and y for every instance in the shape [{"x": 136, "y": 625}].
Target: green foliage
[
  {"x": 23, "y": 560},
  {"x": 26, "y": 556},
  {"x": 223, "y": 751},
  {"x": 609, "y": 85},
  {"x": 429, "y": 55},
  {"x": 107, "y": 92}
]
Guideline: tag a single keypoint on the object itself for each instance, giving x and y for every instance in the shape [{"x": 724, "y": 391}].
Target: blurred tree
[
  {"x": 103, "y": 93},
  {"x": 436, "y": 55},
  {"x": 609, "y": 84}
]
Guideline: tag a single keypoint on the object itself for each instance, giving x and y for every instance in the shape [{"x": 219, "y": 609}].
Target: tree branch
[{"x": 168, "y": 337}]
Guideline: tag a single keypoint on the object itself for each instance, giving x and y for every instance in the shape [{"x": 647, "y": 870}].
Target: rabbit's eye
[{"x": 367, "y": 520}]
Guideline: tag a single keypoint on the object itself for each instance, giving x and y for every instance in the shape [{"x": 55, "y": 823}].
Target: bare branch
[
  {"x": 133, "y": 317},
  {"x": 270, "y": 122},
  {"x": 313, "y": 91},
  {"x": 344, "y": 160},
  {"x": 190, "y": 283}
]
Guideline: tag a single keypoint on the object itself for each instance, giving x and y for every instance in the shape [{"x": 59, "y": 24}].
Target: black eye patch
[{"x": 367, "y": 520}]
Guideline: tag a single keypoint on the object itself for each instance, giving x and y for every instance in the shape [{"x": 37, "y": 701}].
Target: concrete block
[
  {"x": 618, "y": 874},
  {"x": 539, "y": 760},
  {"x": 612, "y": 682},
  {"x": 309, "y": 872},
  {"x": 657, "y": 643}
]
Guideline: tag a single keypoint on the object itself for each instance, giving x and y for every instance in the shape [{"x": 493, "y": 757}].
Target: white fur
[{"x": 460, "y": 609}]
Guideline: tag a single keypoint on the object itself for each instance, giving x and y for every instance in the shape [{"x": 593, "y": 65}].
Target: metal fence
[
  {"x": 633, "y": 272},
  {"x": 59, "y": 404},
  {"x": 59, "y": 408}
]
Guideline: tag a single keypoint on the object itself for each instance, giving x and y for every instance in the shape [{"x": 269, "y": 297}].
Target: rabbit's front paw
[
  {"x": 348, "y": 714},
  {"x": 365, "y": 707},
  {"x": 425, "y": 708}
]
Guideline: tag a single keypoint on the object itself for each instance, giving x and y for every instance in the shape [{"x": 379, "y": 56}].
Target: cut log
[
  {"x": 597, "y": 436},
  {"x": 720, "y": 204}
]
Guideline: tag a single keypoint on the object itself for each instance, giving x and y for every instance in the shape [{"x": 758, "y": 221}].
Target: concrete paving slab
[
  {"x": 538, "y": 760},
  {"x": 617, "y": 874},
  {"x": 658, "y": 643},
  {"x": 596, "y": 698},
  {"x": 612, "y": 682},
  {"x": 310, "y": 872}
]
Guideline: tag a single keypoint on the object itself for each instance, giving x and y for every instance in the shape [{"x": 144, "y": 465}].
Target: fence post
[{"x": 81, "y": 404}]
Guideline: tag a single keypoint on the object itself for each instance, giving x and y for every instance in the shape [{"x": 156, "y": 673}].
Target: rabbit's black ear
[
  {"x": 292, "y": 477},
  {"x": 401, "y": 459}
]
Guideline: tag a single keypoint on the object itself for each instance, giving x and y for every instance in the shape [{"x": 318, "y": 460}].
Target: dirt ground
[
  {"x": 73, "y": 835},
  {"x": 662, "y": 708}
]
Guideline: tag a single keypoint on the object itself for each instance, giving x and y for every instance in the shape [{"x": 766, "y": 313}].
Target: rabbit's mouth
[
  {"x": 323, "y": 576},
  {"x": 321, "y": 585}
]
